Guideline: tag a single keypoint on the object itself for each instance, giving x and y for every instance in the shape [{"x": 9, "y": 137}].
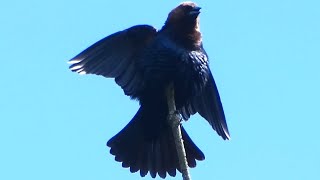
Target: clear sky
[{"x": 265, "y": 57}]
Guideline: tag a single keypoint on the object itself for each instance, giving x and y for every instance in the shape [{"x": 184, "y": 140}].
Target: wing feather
[
  {"x": 114, "y": 56},
  {"x": 209, "y": 106}
]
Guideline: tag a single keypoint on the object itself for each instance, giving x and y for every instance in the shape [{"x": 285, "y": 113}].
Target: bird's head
[
  {"x": 183, "y": 24},
  {"x": 185, "y": 16}
]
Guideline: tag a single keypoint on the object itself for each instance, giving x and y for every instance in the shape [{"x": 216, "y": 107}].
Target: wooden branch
[{"x": 174, "y": 121}]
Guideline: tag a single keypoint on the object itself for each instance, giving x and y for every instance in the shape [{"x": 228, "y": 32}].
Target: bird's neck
[
  {"x": 188, "y": 38},
  {"x": 185, "y": 33}
]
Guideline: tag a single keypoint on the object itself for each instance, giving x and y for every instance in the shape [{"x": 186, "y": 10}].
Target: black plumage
[{"x": 144, "y": 62}]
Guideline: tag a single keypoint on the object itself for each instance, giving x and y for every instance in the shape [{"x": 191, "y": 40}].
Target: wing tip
[
  {"x": 74, "y": 61},
  {"x": 226, "y": 135},
  {"x": 76, "y": 67},
  {"x": 82, "y": 72}
]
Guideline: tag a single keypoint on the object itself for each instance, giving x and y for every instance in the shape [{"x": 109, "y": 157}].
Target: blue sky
[{"x": 265, "y": 57}]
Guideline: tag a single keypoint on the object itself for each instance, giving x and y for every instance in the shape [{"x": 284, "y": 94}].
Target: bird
[{"x": 144, "y": 61}]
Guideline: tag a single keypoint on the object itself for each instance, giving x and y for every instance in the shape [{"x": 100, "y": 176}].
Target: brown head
[{"x": 184, "y": 20}]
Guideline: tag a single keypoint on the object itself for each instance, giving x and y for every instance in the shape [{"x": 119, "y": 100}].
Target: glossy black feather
[
  {"x": 208, "y": 104},
  {"x": 114, "y": 56}
]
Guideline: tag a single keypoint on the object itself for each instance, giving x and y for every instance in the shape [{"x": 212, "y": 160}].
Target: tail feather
[
  {"x": 137, "y": 149},
  {"x": 143, "y": 163},
  {"x": 151, "y": 160}
]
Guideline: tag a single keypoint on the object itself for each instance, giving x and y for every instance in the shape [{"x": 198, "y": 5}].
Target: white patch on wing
[
  {"x": 225, "y": 132},
  {"x": 74, "y": 61},
  {"x": 79, "y": 70},
  {"x": 76, "y": 67}
]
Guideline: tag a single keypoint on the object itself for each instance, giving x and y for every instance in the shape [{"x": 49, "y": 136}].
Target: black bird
[{"x": 144, "y": 62}]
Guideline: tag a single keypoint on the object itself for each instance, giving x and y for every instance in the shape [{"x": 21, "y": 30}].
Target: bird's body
[
  {"x": 144, "y": 62},
  {"x": 169, "y": 62}
]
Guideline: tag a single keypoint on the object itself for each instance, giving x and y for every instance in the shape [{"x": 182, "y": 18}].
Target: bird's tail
[{"x": 147, "y": 144}]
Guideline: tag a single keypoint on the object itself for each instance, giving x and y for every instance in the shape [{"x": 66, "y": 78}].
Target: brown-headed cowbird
[{"x": 144, "y": 62}]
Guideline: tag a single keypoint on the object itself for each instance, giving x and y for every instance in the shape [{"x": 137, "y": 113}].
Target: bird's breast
[
  {"x": 165, "y": 62},
  {"x": 191, "y": 75}
]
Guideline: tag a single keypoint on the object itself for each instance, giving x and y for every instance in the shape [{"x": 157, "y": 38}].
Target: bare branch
[{"x": 174, "y": 121}]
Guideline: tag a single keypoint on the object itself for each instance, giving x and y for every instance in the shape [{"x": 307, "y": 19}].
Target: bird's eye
[{"x": 188, "y": 9}]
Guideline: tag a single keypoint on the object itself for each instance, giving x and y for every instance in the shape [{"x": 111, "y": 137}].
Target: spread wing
[
  {"x": 113, "y": 57},
  {"x": 208, "y": 105}
]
